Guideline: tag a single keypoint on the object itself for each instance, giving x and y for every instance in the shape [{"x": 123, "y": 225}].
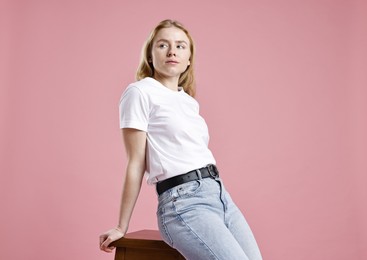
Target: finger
[
  {"x": 111, "y": 248},
  {"x": 106, "y": 243},
  {"x": 102, "y": 238},
  {"x": 106, "y": 248}
]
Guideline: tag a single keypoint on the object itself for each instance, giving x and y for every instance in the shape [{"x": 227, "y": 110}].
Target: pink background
[{"x": 282, "y": 85}]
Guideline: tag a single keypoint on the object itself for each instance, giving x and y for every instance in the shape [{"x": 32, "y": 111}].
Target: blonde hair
[{"x": 146, "y": 69}]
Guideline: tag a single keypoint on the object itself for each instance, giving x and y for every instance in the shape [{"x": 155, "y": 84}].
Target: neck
[{"x": 169, "y": 82}]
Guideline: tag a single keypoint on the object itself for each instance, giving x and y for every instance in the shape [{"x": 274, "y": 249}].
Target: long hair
[{"x": 146, "y": 69}]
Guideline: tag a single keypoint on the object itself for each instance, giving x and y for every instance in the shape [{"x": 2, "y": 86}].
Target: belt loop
[{"x": 198, "y": 172}]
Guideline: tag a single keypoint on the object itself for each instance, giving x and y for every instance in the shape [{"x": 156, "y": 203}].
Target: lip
[{"x": 172, "y": 62}]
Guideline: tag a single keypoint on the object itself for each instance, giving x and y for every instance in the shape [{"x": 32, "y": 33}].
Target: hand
[{"x": 108, "y": 237}]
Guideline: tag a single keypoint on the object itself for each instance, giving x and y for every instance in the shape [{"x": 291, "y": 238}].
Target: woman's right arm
[{"x": 135, "y": 145}]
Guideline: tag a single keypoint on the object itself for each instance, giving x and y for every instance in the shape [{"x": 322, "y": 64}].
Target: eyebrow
[{"x": 164, "y": 40}]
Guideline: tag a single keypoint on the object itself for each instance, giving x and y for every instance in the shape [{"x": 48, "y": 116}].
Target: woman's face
[{"x": 170, "y": 53}]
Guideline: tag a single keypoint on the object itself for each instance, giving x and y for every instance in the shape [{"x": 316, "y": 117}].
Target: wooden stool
[{"x": 144, "y": 245}]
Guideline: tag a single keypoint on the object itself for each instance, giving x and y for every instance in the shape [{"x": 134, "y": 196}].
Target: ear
[
  {"x": 150, "y": 60},
  {"x": 189, "y": 63}
]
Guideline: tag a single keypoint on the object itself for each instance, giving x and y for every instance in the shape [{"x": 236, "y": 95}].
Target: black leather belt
[{"x": 208, "y": 171}]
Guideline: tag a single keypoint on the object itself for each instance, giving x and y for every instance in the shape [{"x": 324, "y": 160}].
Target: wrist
[{"x": 120, "y": 229}]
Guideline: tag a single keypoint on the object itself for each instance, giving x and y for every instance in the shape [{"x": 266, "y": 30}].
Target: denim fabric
[{"x": 201, "y": 221}]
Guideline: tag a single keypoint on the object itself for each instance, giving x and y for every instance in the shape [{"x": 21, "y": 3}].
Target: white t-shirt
[{"x": 177, "y": 136}]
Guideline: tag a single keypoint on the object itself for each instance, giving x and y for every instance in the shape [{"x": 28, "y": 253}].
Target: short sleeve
[{"x": 134, "y": 109}]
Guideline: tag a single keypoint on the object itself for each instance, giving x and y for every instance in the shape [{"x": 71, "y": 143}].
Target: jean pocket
[{"x": 188, "y": 189}]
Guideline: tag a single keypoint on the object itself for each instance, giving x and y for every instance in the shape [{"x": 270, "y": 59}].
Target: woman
[{"x": 166, "y": 138}]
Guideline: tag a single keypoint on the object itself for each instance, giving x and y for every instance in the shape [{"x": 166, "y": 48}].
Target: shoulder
[
  {"x": 142, "y": 85},
  {"x": 138, "y": 89},
  {"x": 189, "y": 99}
]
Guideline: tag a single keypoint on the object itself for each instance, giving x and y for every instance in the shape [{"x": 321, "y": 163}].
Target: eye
[
  {"x": 180, "y": 46},
  {"x": 162, "y": 46}
]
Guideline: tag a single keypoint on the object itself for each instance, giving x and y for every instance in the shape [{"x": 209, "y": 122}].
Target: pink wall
[{"x": 282, "y": 85}]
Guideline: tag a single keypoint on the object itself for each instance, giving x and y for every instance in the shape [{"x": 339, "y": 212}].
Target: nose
[{"x": 171, "y": 52}]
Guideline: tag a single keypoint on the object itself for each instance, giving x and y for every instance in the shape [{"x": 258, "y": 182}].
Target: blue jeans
[{"x": 200, "y": 220}]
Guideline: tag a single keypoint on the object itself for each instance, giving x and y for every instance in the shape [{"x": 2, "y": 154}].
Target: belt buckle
[{"x": 212, "y": 168}]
